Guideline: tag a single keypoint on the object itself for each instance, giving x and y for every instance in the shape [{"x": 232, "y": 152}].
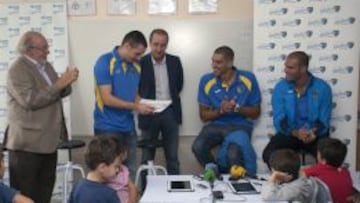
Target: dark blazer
[{"x": 147, "y": 86}]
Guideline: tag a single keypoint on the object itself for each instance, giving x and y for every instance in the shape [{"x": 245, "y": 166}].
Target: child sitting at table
[
  {"x": 103, "y": 159},
  {"x": 331, "y": 155},
  {"x": 123, "y": 185},
  {"x": 284, "y": 183}
]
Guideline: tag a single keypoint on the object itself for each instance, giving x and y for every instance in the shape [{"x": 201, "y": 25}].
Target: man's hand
[
  {"x": 311, "y": 136},
  {"x": 306, "y": 136},
  {"x": 67, "y": 78},
  {"x": 144, "y": 109},
  {"x": 227, "y": 105}
]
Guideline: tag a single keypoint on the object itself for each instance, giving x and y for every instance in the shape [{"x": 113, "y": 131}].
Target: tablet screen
[
  {"x": 180, "y": 186},
  {"x": 242, "y": 187}
]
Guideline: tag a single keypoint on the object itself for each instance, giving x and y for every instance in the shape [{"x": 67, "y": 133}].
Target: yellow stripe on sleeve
[
  {"x": 99, "y": 101},
  {"x": 246, "y": 81},
  {"x": 137, "y": 67},
  {"x": 112, "y": 65},
  {"x": 209, "y": 85}
]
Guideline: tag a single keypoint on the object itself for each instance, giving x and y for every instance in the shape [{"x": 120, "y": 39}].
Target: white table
[{"x": 156, "y": 191}]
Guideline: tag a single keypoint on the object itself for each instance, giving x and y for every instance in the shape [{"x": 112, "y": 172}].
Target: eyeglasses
[{"x": 43, "y": 49}]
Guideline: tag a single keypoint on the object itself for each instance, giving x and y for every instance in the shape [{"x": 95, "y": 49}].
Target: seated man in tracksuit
[{"x": 229, "y": 99}]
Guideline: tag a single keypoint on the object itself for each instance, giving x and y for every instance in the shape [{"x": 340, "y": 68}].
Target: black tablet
[
  {"x": 242, "y": 188},
  {"x": 180, "y": 186}
]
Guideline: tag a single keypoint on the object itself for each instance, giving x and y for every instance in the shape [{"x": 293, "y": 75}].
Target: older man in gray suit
[{"x": 36, "y": 119}]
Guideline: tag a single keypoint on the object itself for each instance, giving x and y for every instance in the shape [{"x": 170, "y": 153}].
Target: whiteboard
[{"x": 192, "y": 40}]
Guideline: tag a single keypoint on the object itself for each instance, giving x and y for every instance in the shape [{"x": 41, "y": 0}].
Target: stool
[{"x": 69, "y": 166}]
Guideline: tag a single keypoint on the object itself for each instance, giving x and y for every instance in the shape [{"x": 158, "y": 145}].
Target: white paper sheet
[{"x": 158, "y": 105}]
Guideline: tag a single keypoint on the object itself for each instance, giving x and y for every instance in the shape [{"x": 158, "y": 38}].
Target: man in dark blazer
[
  {"x": 36, "y": 119},
  {"x": 161, "y": 79}
]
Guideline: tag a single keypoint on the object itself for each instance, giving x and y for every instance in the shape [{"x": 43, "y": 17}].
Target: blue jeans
[
  {"x": 213, "y": 135},
  {"x": 129, "y": 140},
  {"x": 165, "y": 124}
]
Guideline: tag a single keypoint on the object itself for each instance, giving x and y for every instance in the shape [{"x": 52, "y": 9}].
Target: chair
[
  {"x": 151, "y": 170},
  {"x": 323, "y": 193},
  {"x": 149, "y": 167},
  {"x": 69, "y": 166}
]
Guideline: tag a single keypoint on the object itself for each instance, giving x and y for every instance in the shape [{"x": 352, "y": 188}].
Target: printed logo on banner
[
  {"x": 59, "y": 31},
  {"x": 2, "y": 91},
  {"x": 272, "y": 81},
  {"x": 303, "y": 34},
  {"x": 331, "y": 57},
  {"x": 341, "y": 118},
  {"x": 3, "y": 112},
  {"x": 265, "y": 69},
  {"x": 318, "y": 69},
  {"x": 278, "y": 57},
  {"x": 13, "y": 32},
  {"x": 4, "y": 66},
  {"x": 345, "y": 21},
  {"x": 13, "y": 9},
  {"x": 343, "y": 70},
  {"x": 332, "y": 81},
  {"x": 50, "y": 41},
  {"x": 4, "y": 44},
  {"x": 318, "y": 22},
  {"x": 35, "y": 8},
  {"x": 344, "y": 45},
  {"x": 291, "y": 46},
  {"x": 266, "y": 1},
  {"x": 267, "y": 23},
  {"x": 332, "y": 129},
  {"x": 292, "y": 23},
  {"x": 330, "y": 10},
  {"x": 304, "y": 10},
  {"x": 46, "y": 20},
  {"x": 331, "y": 33},
  {"x": 333, "y": 105},
  {"x": 12, "y": 54},
  {"x": 317, "y": 46},
  {"x": 3, "y": 21},
  {"x": 278, "y": 11},
  {"x": 59, "y": 53},
  {"x": 36, "y": 29},
  {"x": 267, "y": 92},
  {"x": 24, "y": 20},
  {"x": 342, "y": 94},
  {"x": 266, "y": 46},
  {"x": 278, "y": 35},
  {"x": 58, "y": 8}
]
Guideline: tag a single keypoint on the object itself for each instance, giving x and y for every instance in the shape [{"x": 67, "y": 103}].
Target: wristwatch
[{"x": 237, "y": 108}]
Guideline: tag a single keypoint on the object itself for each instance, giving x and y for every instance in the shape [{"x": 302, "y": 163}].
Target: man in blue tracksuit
[
  {"x": 229, "y": 99},
  {"x": 301, "y": 108}
]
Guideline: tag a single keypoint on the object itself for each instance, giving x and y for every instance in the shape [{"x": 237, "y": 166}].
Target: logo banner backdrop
[
  {"x": 328, "y": 30},
  {"x": 18, "y": 18}
]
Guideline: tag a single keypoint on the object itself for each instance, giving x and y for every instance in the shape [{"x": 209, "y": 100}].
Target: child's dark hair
[
  {"x": 287, "y": 161},
  {"x": 332, "y": 150},
  {"x": 102, "y": 149}
]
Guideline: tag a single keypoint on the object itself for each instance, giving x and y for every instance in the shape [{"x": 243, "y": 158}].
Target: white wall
[{"x": 193, "y": 40}]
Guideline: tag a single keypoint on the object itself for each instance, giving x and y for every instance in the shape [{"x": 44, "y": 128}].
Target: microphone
[{"x": 211, "y": 172}]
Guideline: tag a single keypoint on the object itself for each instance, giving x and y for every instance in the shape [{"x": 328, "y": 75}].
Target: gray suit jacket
[{"x": 35, "y": 113}]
